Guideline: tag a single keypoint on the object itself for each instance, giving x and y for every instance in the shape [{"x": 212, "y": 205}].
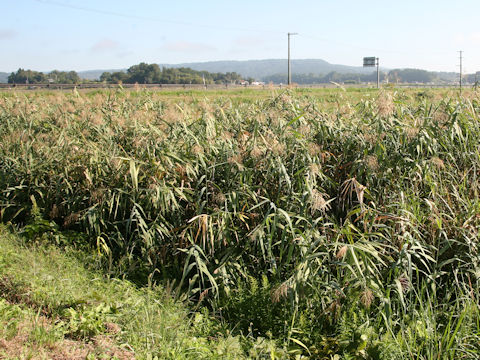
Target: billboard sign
[{"x": 369, "y": 61}]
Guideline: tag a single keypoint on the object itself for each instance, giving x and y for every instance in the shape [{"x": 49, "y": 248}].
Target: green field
[{"x": 294, "y": 223}]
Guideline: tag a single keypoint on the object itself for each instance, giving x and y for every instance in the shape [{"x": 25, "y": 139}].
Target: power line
[
  {"x": 217, "y": 27},
  {"x": 152, "y": 19}
]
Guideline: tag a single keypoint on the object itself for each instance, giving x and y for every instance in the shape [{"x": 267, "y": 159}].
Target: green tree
[
  {"x": 27, "y": 76},
  {"x": 412, "y": 75},
  {"x": 144, "y": 73},
  {"x": 116, "y": 77},
  {"x": 63, "y": 77},
  {"x": 151, "y": 73}
]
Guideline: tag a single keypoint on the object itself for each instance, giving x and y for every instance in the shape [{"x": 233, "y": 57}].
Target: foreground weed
[
  {"x": 53, "y": 302},
  {"x": 345, "y": 202}
]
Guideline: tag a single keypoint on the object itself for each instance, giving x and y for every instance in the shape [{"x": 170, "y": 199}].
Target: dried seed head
[
  {"x": 318, "y": 202},
  {"x": 115, "y": 163},
  {"x": 314, "y": 149},
  {"x": 227, "y": 135},
  {"x": 219, "y": 198},
  {"x": 237, "y": 160},
  {"x": 315, "y": 169},
  {"x": 280, "y": 292},
  {"x": 334, "y": 308},
  {"x": 181, "y": 170},
  {"x": 54, "y": 212},
  {"x": 349, "y": 187},
  {"x": 71, "y": 219},
  {"x": 97, "y": 195},
  {"x": 367, "y": 298},
  {"x": 372, "y": 162},
  {"x": 404, "y": 282},
  {"x": 203, "y": 294},
  {"x": 153, "y": 186},
  {"x": 371, "y": 138},
  {"x": 440, "y": 117},
  {"x": 197, "y": 149},
  {"x": 172, "y": 114},
  {"x": 437, "y": 162},
  {"x": 257, "y": 152},
  {"x": 276, "y": 147},
  {"x": 325, "y": 155},
  {"x": 245, "y": 136},
  {"x": 285, "y": 98},
  {"x": 342, "y": 252},
  {"x": 112, "y": 328},
  {"x": 411, "y": 132},
  {"x": 97, "y": 118},
  {"x": 305, "y": 130},
  {"x": 385, "y": 104},
  {"x": 254, "y": 235}
]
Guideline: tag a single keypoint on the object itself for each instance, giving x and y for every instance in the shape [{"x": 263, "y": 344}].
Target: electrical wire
[{"x": 152, "y": 19}]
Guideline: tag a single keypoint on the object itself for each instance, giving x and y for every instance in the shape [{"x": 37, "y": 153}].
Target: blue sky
[{"x": 106, "y": 34}]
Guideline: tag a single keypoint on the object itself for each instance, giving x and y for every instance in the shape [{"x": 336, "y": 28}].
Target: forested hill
[
  {"x": 3, "y": 77},
  {"x": 259, "y": 69}
]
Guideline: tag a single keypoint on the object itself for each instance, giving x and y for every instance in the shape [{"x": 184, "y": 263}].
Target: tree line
[
  {"x": 393, "y": 76},
  {"x": 306, "y": 79},
  {"x": 142, "y": 74},
  {"x": 36, "y": 77},
  {"x": 152, "y": 74}
]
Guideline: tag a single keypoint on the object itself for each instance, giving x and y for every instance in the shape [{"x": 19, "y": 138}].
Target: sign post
[
  {"x": 289, "y": 76},
  {"x": 371, "y": 62}
]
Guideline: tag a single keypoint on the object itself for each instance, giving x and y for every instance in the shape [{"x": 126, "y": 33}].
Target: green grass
[{"x": 49, "y": 296}]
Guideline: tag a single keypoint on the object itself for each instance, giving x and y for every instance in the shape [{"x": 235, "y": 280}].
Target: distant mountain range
[
  {"x": 4, "y": 77},
  {"x": 257, "y": 69},
  {"x": 95, "y": 74}
]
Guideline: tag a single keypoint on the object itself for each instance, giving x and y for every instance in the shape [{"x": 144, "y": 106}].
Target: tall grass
[{"x": 344, "y": 217}]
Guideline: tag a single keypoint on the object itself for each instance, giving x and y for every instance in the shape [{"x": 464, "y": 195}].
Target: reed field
[{"x": 336, "y": 224}]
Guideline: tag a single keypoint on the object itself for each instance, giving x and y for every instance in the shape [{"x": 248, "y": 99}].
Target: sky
[{"x": 78, "y": 35}]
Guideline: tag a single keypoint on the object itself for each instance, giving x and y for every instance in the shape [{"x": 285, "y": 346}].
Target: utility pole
[
  {"x": 289, "y": 81},
  {"x": 378, "y": 72},
  {"x": 460, "y": 72}
]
